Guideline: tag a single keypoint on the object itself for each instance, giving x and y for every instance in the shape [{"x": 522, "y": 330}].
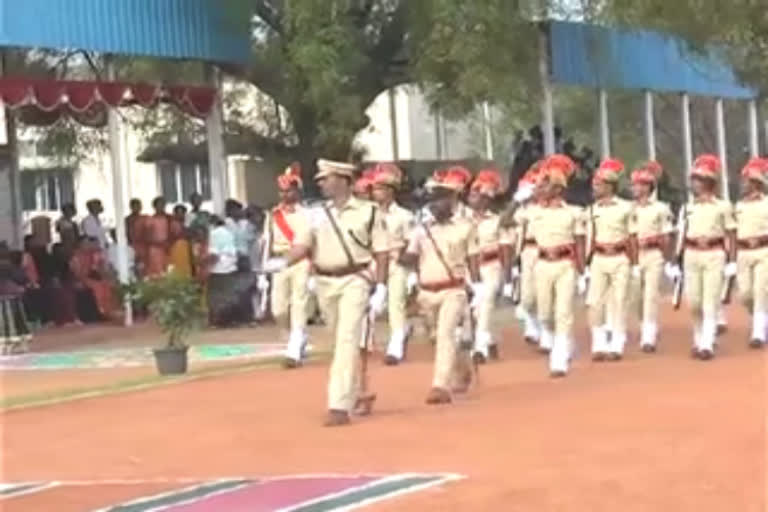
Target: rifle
[
  {"x": 266, "y": 252},
  {"x": 682, "y": 233},
  {"x": 725, "y": 298},
  {"x": 517, "y": 266},
  {"x": 365, "y": 400}
]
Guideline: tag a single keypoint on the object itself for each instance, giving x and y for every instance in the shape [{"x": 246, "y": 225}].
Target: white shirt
[
  {"x": 221, "y": 243},
  {"x": 92, "y": 228}
]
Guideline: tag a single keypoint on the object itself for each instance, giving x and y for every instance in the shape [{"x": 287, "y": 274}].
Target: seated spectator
[
  {"x": 91, "y": 270},
  {"x": 15, "y": 332}
]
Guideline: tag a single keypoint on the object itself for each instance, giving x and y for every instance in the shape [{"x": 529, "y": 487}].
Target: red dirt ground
[{"x": 651, "y": 433}]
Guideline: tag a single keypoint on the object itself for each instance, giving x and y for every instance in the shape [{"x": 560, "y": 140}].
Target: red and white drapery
[{"x": 87, "y": 102}]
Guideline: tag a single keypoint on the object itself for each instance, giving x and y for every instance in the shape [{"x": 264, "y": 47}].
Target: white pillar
[
  {"x": 754, "y": 144},
  {"x": 488, "y": 125},
  {"x": 438, "y": 135},
  {"x": 650, "y": 128},
  {"x": 217, "y": 158},
  {"x": 605, "y": 130},
  {"x": 119, "y": 189},
  {"x": 687, "y": 139},
  {"x": 547, "y": 104},
  {"x": 722, "y": 149},
  {"x": 392, "y": 94}
]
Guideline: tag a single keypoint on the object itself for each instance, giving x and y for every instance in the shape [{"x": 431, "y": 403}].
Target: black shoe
[
  {"x": 544, "y": 350},
  {"x": 558, "y": 374},
  {"x": 756, "y": 344},
  {"x": 391, "y": 361},
  {"x": 721, "y": 329},
  {"x": 648, "y": 349},
  {"x": 599, "y": 357},
  {"x": 493, "y": 353},
  {"x": 531, "y": 341},
  {"x": 478, "y": 358},
  {"x": 706, "y": 355},
  {"x": 291, "y": 364},
  {"x": 695, "y": 353},
  {"x": 615, "y": 356}
]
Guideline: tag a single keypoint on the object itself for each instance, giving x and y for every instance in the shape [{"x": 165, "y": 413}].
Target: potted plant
[{"x": 174, "y": 303}]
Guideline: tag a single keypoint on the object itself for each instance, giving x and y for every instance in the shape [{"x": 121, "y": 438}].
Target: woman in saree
[
  {"x": 91, "y": 270},
  {"x": 180, "y": 254}
]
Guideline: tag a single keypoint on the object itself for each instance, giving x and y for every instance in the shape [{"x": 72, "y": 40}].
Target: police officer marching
[
  {"x": 654, "y": 223},
  {"x": 290, "y": 287},
  {"x": 386, "y": 179},
  {"x": 343, "y": 237},
  {"x": 709, "y": 232},
  {"x": 495, "y": 258},
  {"x": 559, "y": 231},
  {"x": 613, "y": 246},
  {"x": 445, "y": 251},
  {"x": 752, "y": 242}
]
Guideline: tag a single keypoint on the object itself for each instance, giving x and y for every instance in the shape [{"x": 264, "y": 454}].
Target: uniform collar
[
  {"x": 608, "y": 201},
  {"x": 557, "y": 202},
  {"x": 645, "y": 202}
]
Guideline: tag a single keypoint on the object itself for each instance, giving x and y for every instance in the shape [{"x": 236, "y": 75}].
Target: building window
[
  {"x": 46, "y": 190},
  {"x": 179, "y": 181}
]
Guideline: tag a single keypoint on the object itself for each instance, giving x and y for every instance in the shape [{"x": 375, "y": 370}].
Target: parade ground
[{"x": 650, "y": 433}]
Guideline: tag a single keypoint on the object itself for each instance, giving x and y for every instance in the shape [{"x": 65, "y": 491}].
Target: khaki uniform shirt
[
  {"x": 456, "y": 238},
  {"x": 297, "y": 218},
  {"x": 709, "y": 217},
  {"x": 556, "y": 224},
  {"x": 521, "y": 221},
  {"x": 613, "y": 220},
  {"x": 752, "y": 217},
  {"x": 653, "y": 219},
  {"x": 490, "y": 234},
  {"x": 361, "y": 226},
  {"x": 399, "y": 223}
]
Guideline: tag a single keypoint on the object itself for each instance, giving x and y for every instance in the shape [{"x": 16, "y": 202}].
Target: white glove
[
  {"x": 635, "y": 271},
  {"x": 523, "y": 193},
  {"x": 516, "y": 272},
  {"x": 582, "y": 282},
  {"x": 478, "y": 294},
  {"x": 672, "y": 271},
  {"x": 274, "y": 265},
  {"x": 262, "y": 283},
  {"x": 730, "y": 269},
  {"x": 507, "y": 290},
  {"x": 412, "y": 282},
  {"x": 378, "y": 300},
  {"x": 311, "y": 285}
]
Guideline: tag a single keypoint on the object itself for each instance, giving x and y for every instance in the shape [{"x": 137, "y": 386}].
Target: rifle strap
[
  {"x": 439, "y": 253},
  {"x": 340, "y": 237}
]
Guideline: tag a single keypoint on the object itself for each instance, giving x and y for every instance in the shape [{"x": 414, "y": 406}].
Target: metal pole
[
  {"x": 487, "y": 121},
  {"x": 438, "y": 135},
  {"x": 605, "y": 130},
  {"x": 547, "y": 104},
  {"x": 722, "y": 149},
  {"x": 392, "y": 93},
  {"x": 217, "y": 158},
  {"x": 687, "y": 140},
  {"x": 119, "y": 188},
  {"x": 650, "y": 128},
  {"x": 754, "y": 144}
]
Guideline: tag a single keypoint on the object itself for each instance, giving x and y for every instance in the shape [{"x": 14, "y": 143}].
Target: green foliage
[{"x": 175, "y": 303}]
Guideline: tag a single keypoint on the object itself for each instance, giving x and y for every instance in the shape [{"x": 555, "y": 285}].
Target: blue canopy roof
[
  {"x": 183, "y": 29},
  {"x": 600, "y": 57}
]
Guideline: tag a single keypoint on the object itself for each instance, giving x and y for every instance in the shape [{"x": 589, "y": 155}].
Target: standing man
[
  {"x": 290, "y": 294},
  {"x": 344, "y": 236},
  {"x": 91, "y": 225},
  {"x": 527, "y": 253},
  {"x": 158, "y": 238},
  {"x": 135, "y": 229},
  {"x": 655, "y": 224},
  {"x": 386, "y": 179},
  {"x": 495, "y": 258},
  {"x": 710, "y": 252},
  {"x": 613, "y": 244},
  {"x": 197, "y": 218},
  {"x": 445, "y": 251},
  {"x": 559, "y": 231},
  {"x": 752, "y": 236}
]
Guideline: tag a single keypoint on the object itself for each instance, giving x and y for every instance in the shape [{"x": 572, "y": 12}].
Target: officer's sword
[{"x": 682, "y": 233}]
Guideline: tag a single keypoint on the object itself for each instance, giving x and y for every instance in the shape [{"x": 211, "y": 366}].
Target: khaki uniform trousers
[
  {"x": 704, "y": 282},
  {"x": 397, "y": 288},
  {"x": 646, "y": 290},
  {"x": 290, "y": 297},
  {"x": 448, "y": 307},
  {"x": 343, "y": 302},
  {"x": 490, "y": 274},
  {"x": 752, "y": 279},
  {"x": 528, "y": 260},
  {"x": 608, "y": 292},
  {"x": 555, "y": 295}
]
